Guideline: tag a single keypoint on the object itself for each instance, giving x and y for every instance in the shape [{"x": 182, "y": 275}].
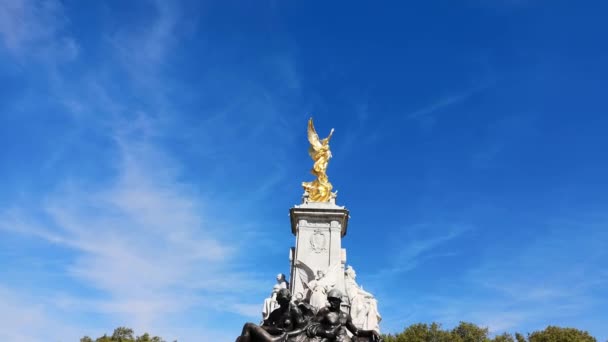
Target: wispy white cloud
[
  {"x": 143, "y": 240},
  {"x": 287, "y": 71},
  {"x": 36, "y": 30},
  {"x": 144, "y": 244},
  {"x": 427, "y": 112},
  {"x": 144, "y": 51},
  {"x": 423, "y": 242},
  {"x": 549, "y": 279},
  {"x": 505, "y": 133},
  {"x": 27, "y": 319}
]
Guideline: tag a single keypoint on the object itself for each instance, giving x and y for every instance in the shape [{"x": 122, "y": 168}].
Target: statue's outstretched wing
[
  {"x": 313, "y": 137},
  {"x": 331, "y": 275},
  {"x": 306, "y": 273}
]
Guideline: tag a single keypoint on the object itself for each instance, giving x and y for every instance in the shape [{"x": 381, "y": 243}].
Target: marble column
[{"x": 319, "y": 228}]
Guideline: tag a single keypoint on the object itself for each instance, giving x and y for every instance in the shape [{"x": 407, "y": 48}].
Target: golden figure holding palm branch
[{"x": 318, "y": 190}]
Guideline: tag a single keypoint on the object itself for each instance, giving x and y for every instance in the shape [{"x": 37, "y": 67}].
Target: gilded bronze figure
[{"x": 318, "y": 190}]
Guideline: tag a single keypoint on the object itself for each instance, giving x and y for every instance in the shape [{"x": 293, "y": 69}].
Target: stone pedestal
[{"x": 319, "y": 228}]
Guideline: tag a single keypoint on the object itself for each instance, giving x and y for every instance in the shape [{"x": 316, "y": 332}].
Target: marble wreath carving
[{"x": 297, "y": 322}]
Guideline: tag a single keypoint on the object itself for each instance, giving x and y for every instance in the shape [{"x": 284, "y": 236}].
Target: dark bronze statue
[
  {"x": 284, "y": 322},
  {"x": 331, "y": 324},
  {"x": 293, "y": 322}
]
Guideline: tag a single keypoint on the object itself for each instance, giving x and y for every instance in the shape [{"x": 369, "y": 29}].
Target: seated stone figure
[
  {"x": 282, "y": 323},
  {"x": 270, "y": 303},
  {"x": 363, "y": 305},
  {"x": 331, "y": 324}
]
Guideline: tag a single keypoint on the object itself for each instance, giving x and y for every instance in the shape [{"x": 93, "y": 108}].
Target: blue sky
[{"x": 151, "y": 151}]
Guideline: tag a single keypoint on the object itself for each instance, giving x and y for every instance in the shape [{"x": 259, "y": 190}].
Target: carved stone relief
[{"x": 318, "y": 241}]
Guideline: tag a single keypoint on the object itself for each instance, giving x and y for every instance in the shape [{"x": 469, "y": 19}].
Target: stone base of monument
[
  {"x": 318, "y": 262},
  {"x": 318, "y": 266}
]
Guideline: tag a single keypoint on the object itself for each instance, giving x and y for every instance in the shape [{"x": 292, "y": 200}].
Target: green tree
[
  {"x": 414, "y": 333},
  {"x": 104, "y": 338},
  {"x": 503, "y": 338},
  {"x": 124, "y": 334},
  {"x": 421, "y": 333},
  {"x": 469, "y": 332},
  {"x": 436, "y": 334},
  {"x": 146, "y": 338},
  {"x": 557, "y": 334}
]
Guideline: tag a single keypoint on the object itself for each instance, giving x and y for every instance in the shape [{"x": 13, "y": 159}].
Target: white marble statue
[
  {"x": 281, "y": 281},
  {"x": 270, "y": 303},
  {"x": 319, "y": 287},
  {"x": 318, "y": 283},
  {"x": 363, "y": 305}
]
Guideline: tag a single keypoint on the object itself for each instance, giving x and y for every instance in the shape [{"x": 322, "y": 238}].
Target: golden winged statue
[{"x": 318, "y": 190}]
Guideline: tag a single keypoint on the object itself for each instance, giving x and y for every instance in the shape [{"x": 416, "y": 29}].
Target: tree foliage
[
  {"x": 557, "y": 334},
  {"x": 464, "y": 332},
  {"x": 504, "y": 338},
  {"x": 420, "y": 332},
  {"x": 124, "y": 334},
  {"x": 469, "y": 332},
  {"x": 519, "y": 337}
]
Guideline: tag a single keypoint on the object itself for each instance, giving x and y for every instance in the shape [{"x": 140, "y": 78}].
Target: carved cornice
[{"x": 317, "y": 214}]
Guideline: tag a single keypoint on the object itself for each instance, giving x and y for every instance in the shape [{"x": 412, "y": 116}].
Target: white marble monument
[{"x": 317, "y": 261}]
